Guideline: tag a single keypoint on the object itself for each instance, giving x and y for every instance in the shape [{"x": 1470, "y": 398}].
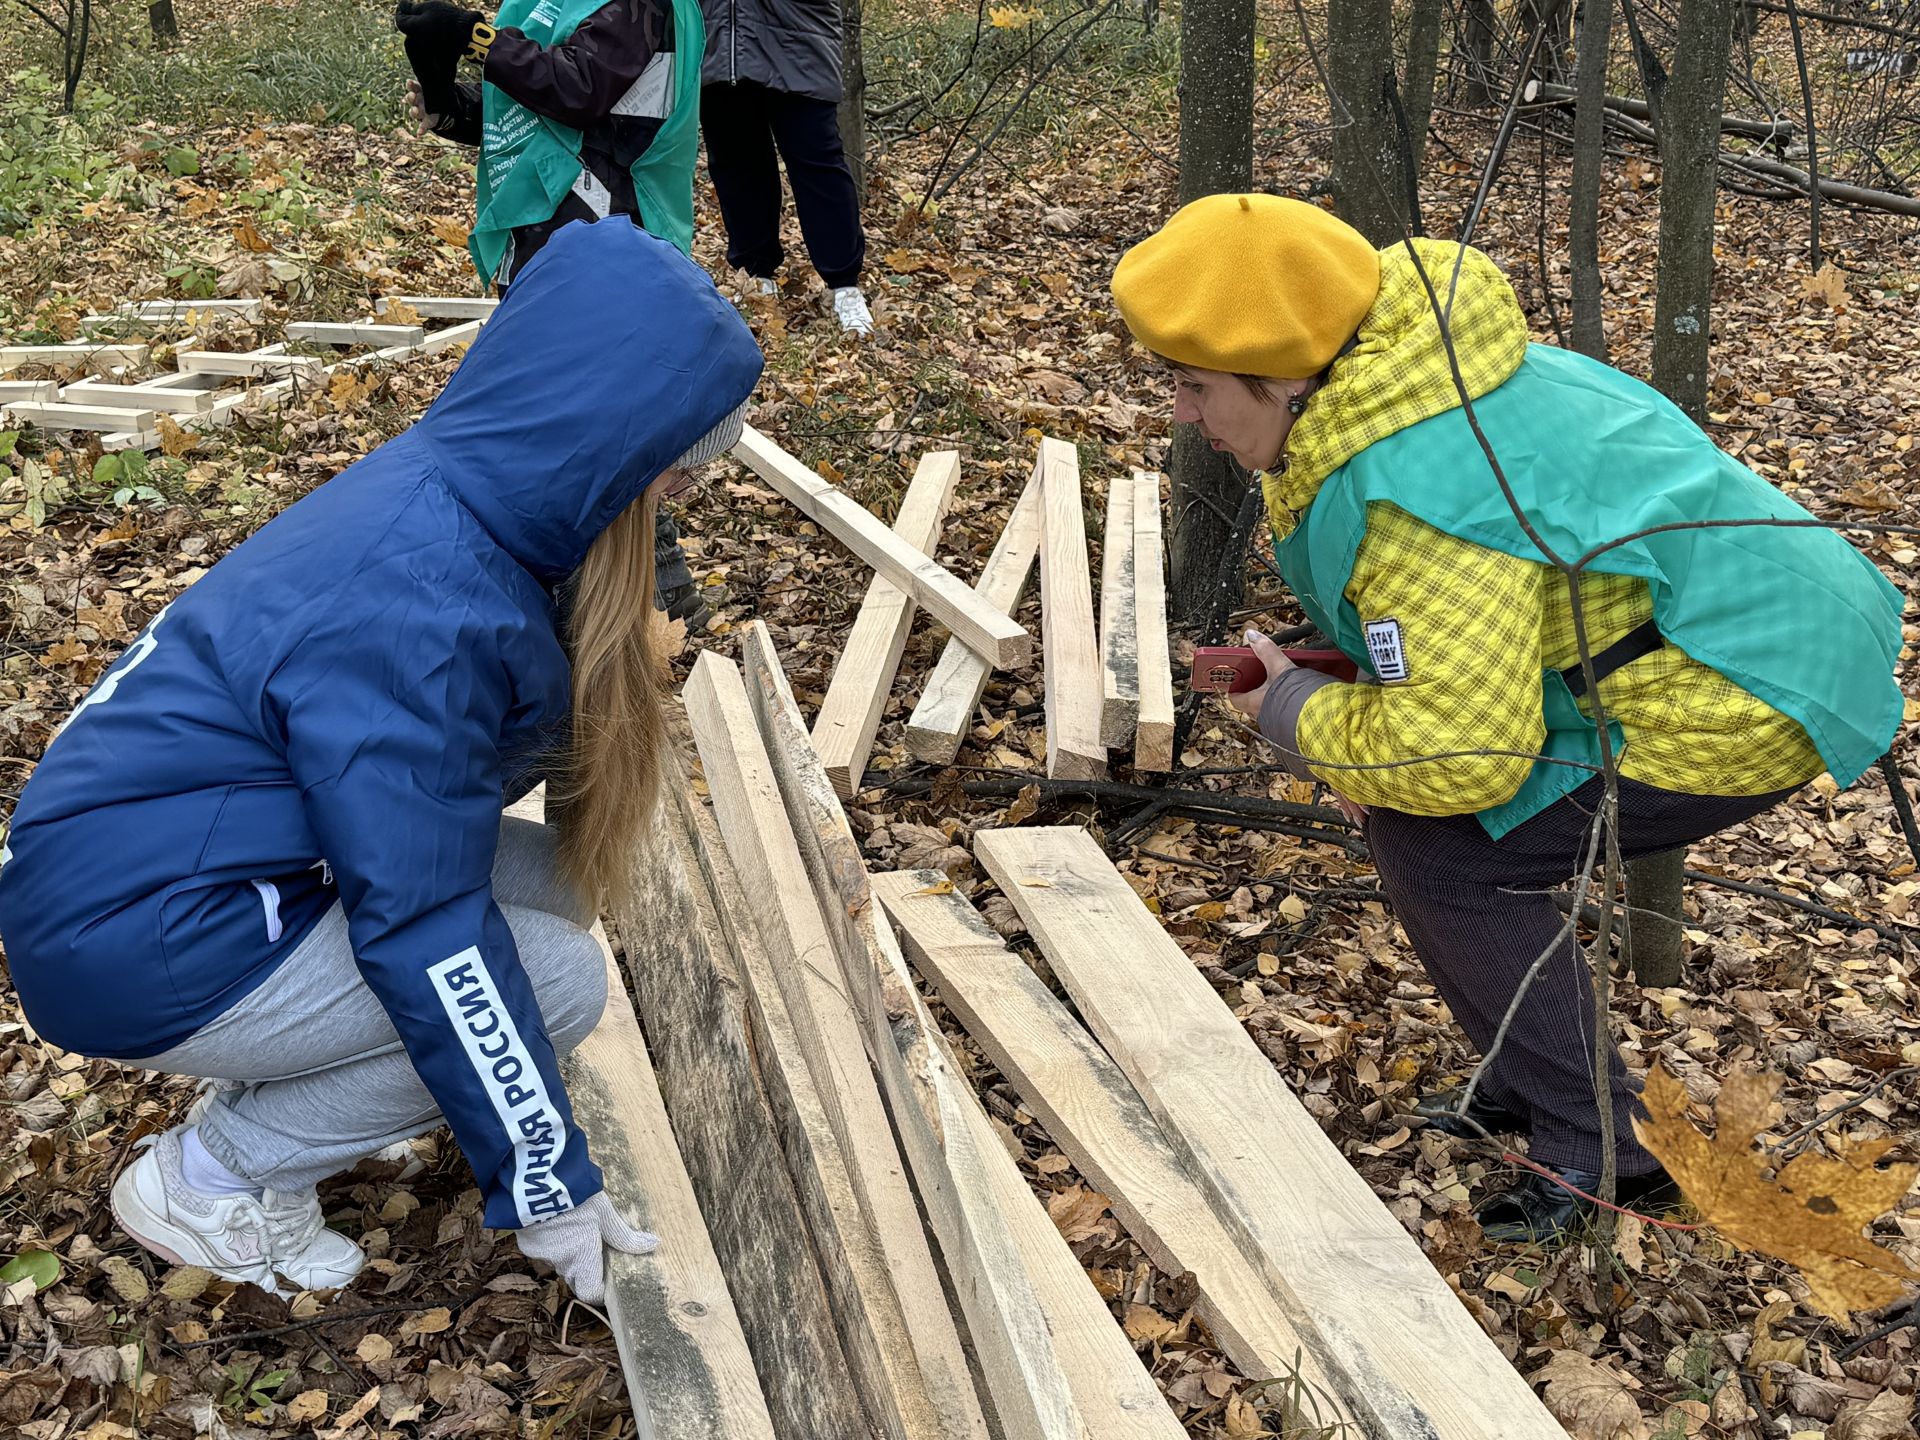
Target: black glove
[
  {"x": 444, "y": 34},
  {"x": 436, "y": 71}
]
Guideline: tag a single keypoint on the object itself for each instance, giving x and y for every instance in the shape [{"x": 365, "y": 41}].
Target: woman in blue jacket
[{"x": 267, "y": 848}]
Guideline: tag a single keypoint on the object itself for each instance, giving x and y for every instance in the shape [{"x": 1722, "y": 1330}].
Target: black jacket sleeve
[
  {"x": 579, "y": 80},
  {"x": 461, "y": 124}
]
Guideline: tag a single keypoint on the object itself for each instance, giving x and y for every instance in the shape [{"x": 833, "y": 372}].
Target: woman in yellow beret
[{"x": 1470, "y": 748}]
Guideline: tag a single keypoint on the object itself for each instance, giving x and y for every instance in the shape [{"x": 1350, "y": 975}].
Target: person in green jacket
[
  {"x": 1470, "y": 749},
  {"x": 584, "y": 109}
]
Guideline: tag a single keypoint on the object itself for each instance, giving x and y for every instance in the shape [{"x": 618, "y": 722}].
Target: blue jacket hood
[{"x": 611, "y": 355}]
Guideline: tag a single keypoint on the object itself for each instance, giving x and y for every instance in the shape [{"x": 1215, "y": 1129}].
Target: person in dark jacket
[
  {"x": 267, "y": 848},
  {"x": 596, "y": 101},
  {"x": 771, "y": 82}
]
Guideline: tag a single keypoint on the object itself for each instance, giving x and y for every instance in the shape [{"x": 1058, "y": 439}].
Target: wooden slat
[
  {"x": 1097, "y": 1118},
  {"x": 436, "y": 341},
  {"x": 138, "y": 397},
  {"x": 849, "y": 716},
  {"x": 270, "y": 361},
  {"x": 12, "y": 356},
  {"x": 442, "y": 307},
  {"x": 682, "y": 937},
  {"x": 933, "y": 588},
  {"x": 181, "y": 309},
  {"x": 324, "y": 332},
  {"x": 1119, "y": 657},
  {"x": 689, "y": 1373},
  {"x": 35, "y": 392},
  {"x": 880, "y": 1344},
  {"x": 56, "y": 416},
  {"x": 945, "y": 709},
  {"x": 1069, "y": 649},
  {"x": 1402, "y": 1353},
  {"x": 996, "y": 1239},
  {"x": 1153, "y": 739}
]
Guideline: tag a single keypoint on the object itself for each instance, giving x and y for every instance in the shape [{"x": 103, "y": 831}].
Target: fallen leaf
[
  {"x": 427, "y": 1322},
  {"x": 248, "y": 236},
  {"x": 398, "y": 312},
  {"x": 1811, "y": 1215},
  {"x": 1242, "y": 1419},
  {"x": 128, "y": 1283},
  {"x": 1887, "y": 1416},
  {"x": 308, "y": 1405},
  {"x": 187, "y": 1282},
  {"x": 1023, "y": 807},
  {"x": 1594, "y": 1401},
  {"x": 352, "y": 1416},
  {"x": 1766, "y": 1350},
  {"x": 373, "y": 1349},
  {"x": 939, "y": 887},
  {"x": 449, "y": 231},
  {"x": 1143, "y": 1322},
  {"x": 175, "y": 439},
  {"x": 1828, "y": 283},
  {"x": 1076, "y": 1213}
]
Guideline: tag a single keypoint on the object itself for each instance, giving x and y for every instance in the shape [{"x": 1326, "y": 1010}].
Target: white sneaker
[
  {"x": 850, "y": 309},
  {"x": 235, "y": 1236}
]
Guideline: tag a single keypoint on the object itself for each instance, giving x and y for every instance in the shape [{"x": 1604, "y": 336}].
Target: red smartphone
[{"x": 1235, "y": 669}]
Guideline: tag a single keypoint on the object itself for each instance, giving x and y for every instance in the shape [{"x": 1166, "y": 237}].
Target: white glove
[{"x": 574, "y": 1244}]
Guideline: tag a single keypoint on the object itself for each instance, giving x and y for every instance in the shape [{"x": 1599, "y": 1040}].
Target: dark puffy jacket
[
  {"x": 788, "y": 45},
  {"x": 337, "y": 708}
]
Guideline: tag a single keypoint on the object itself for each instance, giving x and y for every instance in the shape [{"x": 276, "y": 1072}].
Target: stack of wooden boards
[
  {"x": 883, "y": 1262},
  {"x": 1107, "y": 688},
  {"x": 126, "y": 415}
]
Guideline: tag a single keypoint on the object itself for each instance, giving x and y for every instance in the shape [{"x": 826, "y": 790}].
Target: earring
[{"x": 1296, "y": 404}]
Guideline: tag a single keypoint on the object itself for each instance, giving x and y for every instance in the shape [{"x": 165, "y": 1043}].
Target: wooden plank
[
  {"x": 681, "y": 942},
  {"x": 138, "y": 397},
  {"x": 882, "y": 1347},
  {"x": 945, "y": 709},
  {"x": 1008, "y": 1262},
  {"x": 183, "y": 309},
  {"x": 189, "y": 380},
  {"x": 934, "y": 589},
  {"x": 849, "y": 716},
  {"x": 131, "y": 440},
  {"x": 324, "y": 332},
  {"x": 689, "y": 1372},
  {"x": 1069, "y": 649},
  {"x": 1153, "y": 738},
  {"x": 1097, "y": 1118},
  {"x": 1119, "y": 657},
  {"x": 442, "y": 307},
  {"x": 55, "y": 416},
  {"x": 13, "y": 356},
  {"x": 29, "y": 391},
  {"x": 1403, "y": 1354},
  {"x": 271, "y": 361}
]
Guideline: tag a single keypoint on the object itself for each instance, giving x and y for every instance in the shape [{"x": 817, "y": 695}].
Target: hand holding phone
[{"x": 1236, "y": 669}]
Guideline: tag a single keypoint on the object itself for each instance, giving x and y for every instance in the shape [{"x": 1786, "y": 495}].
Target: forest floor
[{"x": 995, "y": 328}]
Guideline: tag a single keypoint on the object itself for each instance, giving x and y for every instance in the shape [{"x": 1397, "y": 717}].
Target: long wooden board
[
  {"x": 689, "y": 1373},
  {"x": 1153, "y": 738},
  {"x": 1098, "y": 1119},
  {"x": 326, "y": 332},
  {"x": 1402, "y": 1353},
  {"x": 849, "y": 716},
  {"x": 273, "y": 360},
  {"x": 12, "y": 356},
  {"x": 945, "y": 709},
  {"x": 1070, "y": 649},
  {"x": 934, "y": 589},
  {"x": 1119, "y": 650},
  {"x": 57, "y": 416},
  {"x": 171, "y": 400},
  {"x": 680, "y": 946},
  {"x": 996, "y": 1238},
  {"x": 182, "y": 309},
  {"x": 442, "y": 307},
  {"x": 882, "y": 1344}
]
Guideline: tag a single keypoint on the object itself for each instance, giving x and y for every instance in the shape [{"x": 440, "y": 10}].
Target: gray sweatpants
[{"x": 320, "y": 1077}]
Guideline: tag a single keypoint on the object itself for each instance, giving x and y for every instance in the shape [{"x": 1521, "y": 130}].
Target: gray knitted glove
[{"x": 574, "y": 1244}]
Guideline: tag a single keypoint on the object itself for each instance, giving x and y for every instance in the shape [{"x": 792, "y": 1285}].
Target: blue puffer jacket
[{"x": 335, "y": 710}]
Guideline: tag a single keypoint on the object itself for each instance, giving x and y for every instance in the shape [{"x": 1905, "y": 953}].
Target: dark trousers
[
  {"x": 745, "y": 125},
  {"x": 1479, "y": 912}
]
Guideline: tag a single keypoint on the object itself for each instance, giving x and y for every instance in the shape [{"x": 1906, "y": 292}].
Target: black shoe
[
  {"x": 1536, "y": 1211},
  {"x": 1441, "y": 1112}
]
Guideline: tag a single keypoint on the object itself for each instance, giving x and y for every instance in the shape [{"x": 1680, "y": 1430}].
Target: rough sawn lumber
[
  {"x": 945, "y": 709},
  {"x": 1070, "y": 650},
  {"x": 1119, "y": 651},
  {"x": 1403, "y": 1354},
  {"x": 849, "y": 716},
  {"x": 1153, "y": 737},
  {"x": 935, "y": 589}
]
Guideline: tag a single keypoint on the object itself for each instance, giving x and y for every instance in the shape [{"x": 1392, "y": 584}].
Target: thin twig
[{"x": 337, "y": 1318}]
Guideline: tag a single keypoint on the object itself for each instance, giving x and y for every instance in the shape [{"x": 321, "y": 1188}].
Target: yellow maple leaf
[
  {"x": 449, "y": 232},
  {"x": 1829, "y": 283},
  {"x": 1011, "y": 17},
  {"x": 398, "y": 312},
  {"x": 1811, "y": 1214},
  {"x": 175, "y": 439},
  {"x": 346, "y": 390}
]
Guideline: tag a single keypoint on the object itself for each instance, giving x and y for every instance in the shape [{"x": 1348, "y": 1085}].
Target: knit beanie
[
  {"x": 1249, "y": 284},
  {"x": 717, "y": 441}
]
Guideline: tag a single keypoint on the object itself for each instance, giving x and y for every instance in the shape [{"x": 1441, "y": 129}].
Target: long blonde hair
[{"x": 607, "y": 785}]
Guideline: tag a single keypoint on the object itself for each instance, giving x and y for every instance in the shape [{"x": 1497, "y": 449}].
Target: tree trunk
[
  {"x": 1371, "y": 174},
  {"x": 1423, "y": 62},
  {"x": 160, "y": 17},
  {"x": 1482, "y": 27},
  {"x": 1688, "y": 128},
  {"x": 853, "y": 97},
  {"x": 1216, "y": 155},
  {"x": 1589, "y": 158},
  {"x": 1656, "y": 944}
]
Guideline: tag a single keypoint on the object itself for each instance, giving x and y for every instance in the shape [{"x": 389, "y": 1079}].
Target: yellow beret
[{"x": 1250, "y": 284}]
